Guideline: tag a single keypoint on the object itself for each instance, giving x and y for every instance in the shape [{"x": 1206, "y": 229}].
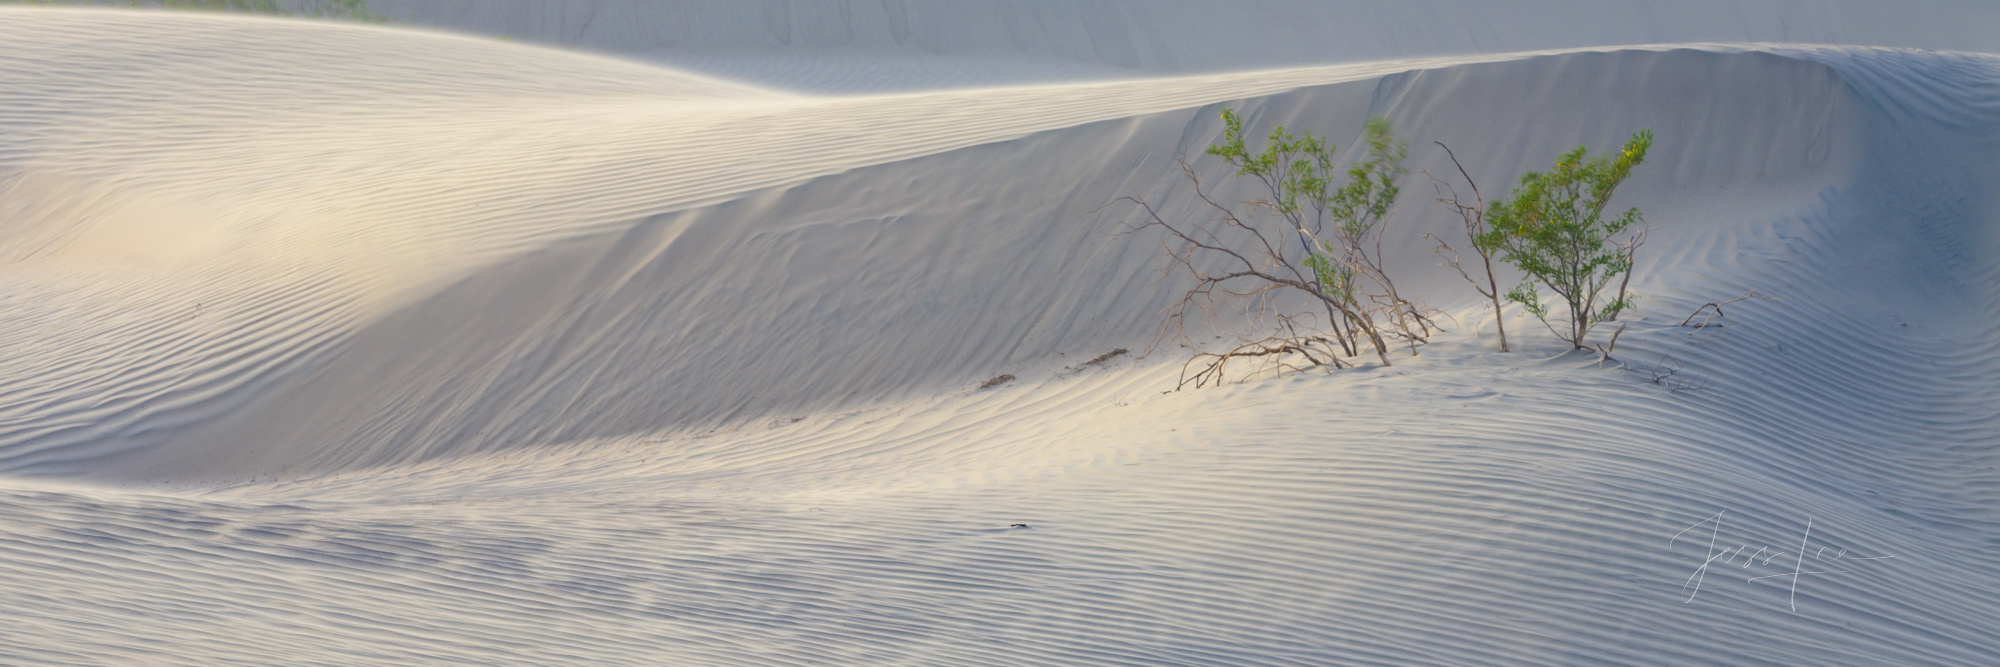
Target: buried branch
[
  {"x": 1667, "y": 373},
  {"x": 1207, "y": 368},
  {"x": 1713, "y": 309}
]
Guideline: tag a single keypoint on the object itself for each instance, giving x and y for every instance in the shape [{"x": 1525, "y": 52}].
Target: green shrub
[
  {"x": 1554, "y": 230},
  {"x": 1305, "y": 235}
]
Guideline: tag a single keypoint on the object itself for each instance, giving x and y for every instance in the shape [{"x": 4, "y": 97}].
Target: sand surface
[{"x": 335, "y": 344}]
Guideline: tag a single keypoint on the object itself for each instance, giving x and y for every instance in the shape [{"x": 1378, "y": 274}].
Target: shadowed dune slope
[{"x": 860, "y": 45}]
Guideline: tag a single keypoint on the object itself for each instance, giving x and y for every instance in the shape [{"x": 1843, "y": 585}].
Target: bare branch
[
  {"x": 1243, "y": 250},
  {"x": 1752, "y": 294},
  {"x": 1472, "y": 216}
]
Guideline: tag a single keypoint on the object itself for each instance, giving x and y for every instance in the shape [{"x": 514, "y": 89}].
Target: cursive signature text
[{"x": 1722, "y": 554}]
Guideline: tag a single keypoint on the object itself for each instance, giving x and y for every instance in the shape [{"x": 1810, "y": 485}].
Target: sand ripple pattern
[{"x": 346, "y": 346}]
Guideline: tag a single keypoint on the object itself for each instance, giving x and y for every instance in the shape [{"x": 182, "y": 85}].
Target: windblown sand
[{"x": 349, "y": 345}]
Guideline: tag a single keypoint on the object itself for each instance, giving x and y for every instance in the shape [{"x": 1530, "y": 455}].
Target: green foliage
[
  {"x": 1554, "y": 230},
  {"x": 1295, "y": 168},
  {"x": 1298, "y": 171},
  {"x": 1331, "y": 279},
  {"x": 1336, "y": 226},
  {"x": 1371, "y": 189}
]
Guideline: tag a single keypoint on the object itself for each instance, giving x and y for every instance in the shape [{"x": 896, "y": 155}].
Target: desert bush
[
  {"x": 1304, "y": 236},
  {"x": 1554, "y": 230}
]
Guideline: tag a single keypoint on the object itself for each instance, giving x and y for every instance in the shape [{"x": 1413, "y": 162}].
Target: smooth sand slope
[
  {"x": 869, "y": 45},
  {"x": 330, "y": 344}
]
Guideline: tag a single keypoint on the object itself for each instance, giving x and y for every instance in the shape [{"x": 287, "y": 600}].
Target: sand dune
[
  {"x": 340, "y": 344},
  {"x": 852, "y": 46}
]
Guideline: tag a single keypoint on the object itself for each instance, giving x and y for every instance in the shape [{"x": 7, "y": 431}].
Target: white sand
[
  {"x": 331, "y": 344},
  {"x": 849, "y": 45}
]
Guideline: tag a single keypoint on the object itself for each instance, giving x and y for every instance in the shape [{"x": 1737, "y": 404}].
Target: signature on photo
[{"x": 1721, "y": 554}]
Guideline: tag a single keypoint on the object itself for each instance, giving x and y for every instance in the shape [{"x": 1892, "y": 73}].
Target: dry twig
[
  {"x": 1717, "y": 307},
  {"x": 1473, "y": 216}
]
